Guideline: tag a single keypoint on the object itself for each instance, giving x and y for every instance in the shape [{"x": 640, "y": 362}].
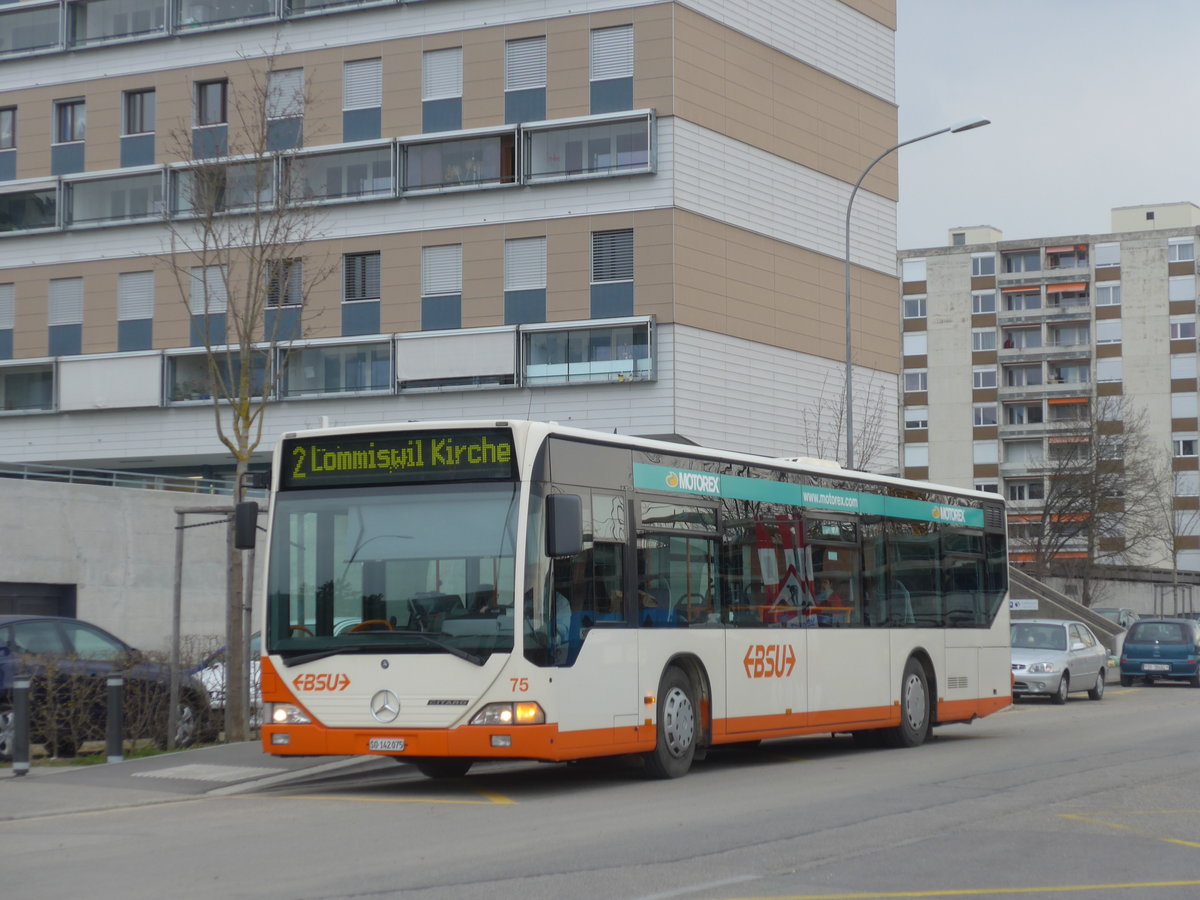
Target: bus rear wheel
[
  {"x": 676, "y": 745},
  {"x": 915, "y": 721},
  {"x": 439, "y": 767}
]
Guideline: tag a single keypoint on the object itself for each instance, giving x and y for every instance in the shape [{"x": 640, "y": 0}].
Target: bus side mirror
[
  {"x": 564, "y": 525},
  {"x": 245, "y": 525}
]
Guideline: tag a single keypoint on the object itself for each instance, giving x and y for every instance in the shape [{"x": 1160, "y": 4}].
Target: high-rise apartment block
[
  {"x": 1010, "y": 345},
  {"x": 625, "y": 214}
]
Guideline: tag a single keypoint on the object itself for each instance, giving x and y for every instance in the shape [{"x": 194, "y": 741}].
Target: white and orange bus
[{"x": 451, "y": 592}]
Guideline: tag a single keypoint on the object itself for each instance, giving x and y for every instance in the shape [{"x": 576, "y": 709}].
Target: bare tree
[
  {"x": 242, "y": 256},
  {"x": 823, "y": 424},
  {"x": 1101, "y": 482},
  {"x": 1176, "y": 515}
]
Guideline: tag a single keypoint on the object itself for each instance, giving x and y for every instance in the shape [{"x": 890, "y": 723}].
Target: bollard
[
  {"x": 20, "y": 750},
  {"x": 116, "y": 716}
]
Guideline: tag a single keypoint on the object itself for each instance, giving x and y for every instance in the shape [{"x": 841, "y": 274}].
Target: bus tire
[
  {"x": 439, "y": 767},
  {"x": 915, "y": 722},
  {"x": 675, "y": 746}
]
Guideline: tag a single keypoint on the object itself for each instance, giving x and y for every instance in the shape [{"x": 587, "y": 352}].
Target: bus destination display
[{"x": 397, "y": 458}]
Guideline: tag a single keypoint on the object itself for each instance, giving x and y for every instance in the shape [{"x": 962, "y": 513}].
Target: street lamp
[{"x": 952, "y": 129}]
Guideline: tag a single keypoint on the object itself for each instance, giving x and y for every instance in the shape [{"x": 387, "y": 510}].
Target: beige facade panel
[{"x": 729, "y": 83}]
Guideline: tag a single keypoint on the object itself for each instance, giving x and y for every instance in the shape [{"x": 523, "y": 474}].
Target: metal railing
[{"x": 122, "y": 479}]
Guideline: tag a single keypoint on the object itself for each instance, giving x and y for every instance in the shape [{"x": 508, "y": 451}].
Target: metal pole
[
  {"x": 116, "y": 718},
  {"x": 176, "y": 617},
  {"x": 20, "y": 750},
  {"x": 966, "y": 126}
]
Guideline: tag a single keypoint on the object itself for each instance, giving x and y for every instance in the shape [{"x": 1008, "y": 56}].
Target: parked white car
[
  {"x": 211, "y": 673},
  {"x": 1053, "y": 657}
]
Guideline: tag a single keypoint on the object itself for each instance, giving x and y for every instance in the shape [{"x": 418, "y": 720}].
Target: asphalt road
[{"x": 1090, "y": 800}]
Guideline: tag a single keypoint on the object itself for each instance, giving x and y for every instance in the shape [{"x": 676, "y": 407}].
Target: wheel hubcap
[
  {"x": 915, "y": 703},
  {"x": 679, "y": 722}
]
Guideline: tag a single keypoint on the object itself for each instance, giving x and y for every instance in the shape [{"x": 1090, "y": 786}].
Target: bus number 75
[{"x": 519, "y": 685}]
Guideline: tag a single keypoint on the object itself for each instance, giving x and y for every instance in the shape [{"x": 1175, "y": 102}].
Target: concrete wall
[{"x": 117, "y": 545}]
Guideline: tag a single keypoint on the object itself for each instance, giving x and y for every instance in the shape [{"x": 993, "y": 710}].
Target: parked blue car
[{"x": 1161, "y": 648}]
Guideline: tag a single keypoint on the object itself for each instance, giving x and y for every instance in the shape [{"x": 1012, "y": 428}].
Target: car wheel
[
  {"x": 676, "y": 744},
  {"x": 915, "y": 720},
  {"x": 8, "y": 732},
  {"x": 1064, "y": 688},
  {"x": 1126, "y": 681},
  {"x": 1194, "y": 681},
  {"x": 1097, "y": 691}
]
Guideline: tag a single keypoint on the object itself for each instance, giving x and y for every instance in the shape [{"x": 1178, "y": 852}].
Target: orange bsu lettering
[
  {"x": 325, "y": 681},
  {"x": 769, "y": 660}
]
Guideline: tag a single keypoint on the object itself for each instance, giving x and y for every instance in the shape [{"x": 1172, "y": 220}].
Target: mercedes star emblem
[{"x": 385, "y": 706}]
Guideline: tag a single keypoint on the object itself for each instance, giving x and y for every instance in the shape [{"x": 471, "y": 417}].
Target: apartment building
[
  {"x": 1008, "y": 345},
  {"x": 625, "y": 214}
]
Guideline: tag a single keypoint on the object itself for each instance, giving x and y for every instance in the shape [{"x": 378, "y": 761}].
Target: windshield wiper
[{"x": 375, "y": 647}]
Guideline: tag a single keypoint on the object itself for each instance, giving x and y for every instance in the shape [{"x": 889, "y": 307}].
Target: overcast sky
[{"x": 1092, "y": 102}]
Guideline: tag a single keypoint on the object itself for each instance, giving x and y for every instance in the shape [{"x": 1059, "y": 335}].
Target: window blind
[
  {"x": 135, "y": 296},
  {"x": 362, "y": 84},
  {"x": 612, "y": 255},
  {"x": 66, "y": 301},
  {"x": 612, "y": 53},
  {"x": 441, "y": 270},
  {"x": 525, "y": 64},
  {"x": 441, "y": 74},
  {"x": 525, "y": 264}
]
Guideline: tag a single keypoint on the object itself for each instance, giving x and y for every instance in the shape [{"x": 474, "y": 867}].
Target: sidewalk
[{"x": 221, "y": 769}]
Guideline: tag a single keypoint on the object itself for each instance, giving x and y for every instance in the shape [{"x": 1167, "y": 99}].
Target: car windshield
[
  {"x": 1038, "y": 636},
  {"x": 413, "y": 569},
  {"x": 1157, "y": 633},
  {"x": 1113, "y": 615}
]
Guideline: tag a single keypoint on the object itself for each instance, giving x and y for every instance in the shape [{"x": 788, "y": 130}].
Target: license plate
[
  {"x": 1155, "y": 667},
  {"x": 390, "y": 745}
]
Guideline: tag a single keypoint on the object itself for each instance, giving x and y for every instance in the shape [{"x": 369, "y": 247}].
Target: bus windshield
[{"x": 406, "y": 569}]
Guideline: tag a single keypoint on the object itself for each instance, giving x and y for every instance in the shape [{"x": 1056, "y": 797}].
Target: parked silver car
[{"x": 1055, "y": 657}]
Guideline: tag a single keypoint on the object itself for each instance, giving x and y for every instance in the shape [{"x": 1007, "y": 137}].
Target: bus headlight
[
  {"x": 523, "y": 713},
  {"x": 287, "y": 714}
]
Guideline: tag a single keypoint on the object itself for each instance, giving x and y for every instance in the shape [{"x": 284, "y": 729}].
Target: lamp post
[{"x": 952, "y": 129}]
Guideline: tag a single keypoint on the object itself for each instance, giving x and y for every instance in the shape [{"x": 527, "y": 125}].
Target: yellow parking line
[
  {"x": 1137, "y": 831},
  {"x": 983, "y": 892}
]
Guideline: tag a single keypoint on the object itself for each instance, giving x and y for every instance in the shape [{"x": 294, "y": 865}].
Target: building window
[
  {"x": 285, "y": 282},
  {"x": 1183, "y": 405},
  {"x": 612, "y": 274},
  {"x": 27, "y": 387},
  {"x": 916, "y": 456},
  {"x": 1022, "y": 338},
  {"x": 1183, "y": 365},
  {"x": 611, "y": 69},
  {"x": 135, "y": 311},
  {"x": 985, "y": 414},
  {"x": 70, "y": 121},
  {"x": 916, "y": 343},
  {"x": 1016, "y": 301},
  {"x": 1181, "y": 287},
  {"x": 524, "y": 280},
  {"x": 1023, "y": 451},
  {"x": 913, "y": 270},
  {"x": 916, "y": 380},
  {"x": 1108, "y": 331},
  {"x": 983, "y": 264},
  {"x": 343, "y": 173},
  {"x": 1184, "y": 444},
  {"x": 1108, "y": 369},
  {"x": 1023, "y": 261},
  {"x": 1108, "y": 293},
  {"x": 525, "y": 80},
  {"x": 210, "y": 102},
  {"x": 285, "y": 109},
  {"x": 139, "y": 112},
  {"x": 983, "y": 339},
  {"x": 1069, "y": 410},
  {"x": 958, "y": 239},
  {"x": 345, "y": 368},
  {"x": 462, "y": 162},
  {"x": 1183, "y": 327},
  {"x": 983, "y": 377},
  {"x": 1187, "y": 484},
  {"x": 1023, "y": 414},
  {"x": 1107, "y": 255},
  {"x": 114, "y": 199},
  {"x": 915, "y": 307},
  {"x": 610, "y": 147},
  {"x": 983, "y": 302},
  {"x": 1020, "y": 491},
  {"x": 605, "y": 354},
  {"x": 8, "y": 128},
  {"x": 1071, "y": 335},
  {"x": 198, "y": 13},
  {"x": 8, "y": 319},
  {"x": 208, "y": 301},
  {"x": 988, "y": 487},
  {"x": 441, "y": 287},
  {"x": 362, "y": 99},
  {"x": 441, "y": 89},
  {"x": 99, "y": 20},
  {"x": 1022, "y": 376},
  {"x": 916, "y": 417},
  {"x": 984, "y": 453},
  {"x": 360, "y": 276},
  {"x": 1181, "y": 249},
  {"x": 65, "y": 316}
]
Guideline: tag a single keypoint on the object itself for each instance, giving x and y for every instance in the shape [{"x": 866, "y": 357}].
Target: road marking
[
  {"x": 208, "y": 772},
  {"x": 1139, "y": 832},
  {"x": 981, "y": 892}
]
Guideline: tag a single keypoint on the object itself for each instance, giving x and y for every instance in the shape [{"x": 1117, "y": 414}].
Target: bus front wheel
[
  {"x": 676, "y": 744},
  {"x": 914, "y": 709}
]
